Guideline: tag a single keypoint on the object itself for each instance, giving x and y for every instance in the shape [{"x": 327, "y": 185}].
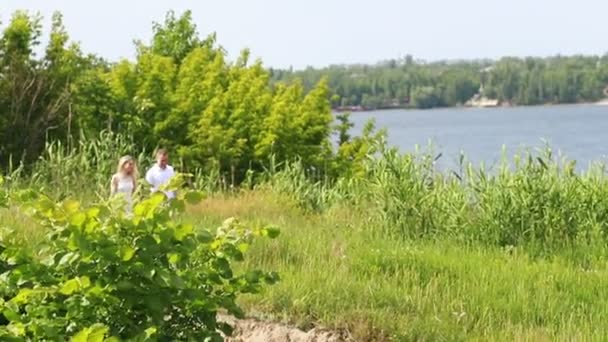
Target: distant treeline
[{"x": 410, "y": 83}]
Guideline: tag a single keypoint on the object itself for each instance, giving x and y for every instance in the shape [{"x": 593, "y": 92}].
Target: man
[{"x": 161, "y": 172}]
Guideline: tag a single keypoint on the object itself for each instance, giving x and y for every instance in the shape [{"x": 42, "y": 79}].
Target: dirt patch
[{"x": 252, "y": 330}]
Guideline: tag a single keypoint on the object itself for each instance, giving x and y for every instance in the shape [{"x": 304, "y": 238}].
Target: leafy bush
[{"x": 104, "y": 275}]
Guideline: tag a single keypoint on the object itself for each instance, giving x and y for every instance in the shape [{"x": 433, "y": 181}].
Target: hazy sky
[{"x": 322, "y": 32}]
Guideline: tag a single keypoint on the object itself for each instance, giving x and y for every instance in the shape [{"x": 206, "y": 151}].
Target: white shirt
[{"x": 158, "y": 177}]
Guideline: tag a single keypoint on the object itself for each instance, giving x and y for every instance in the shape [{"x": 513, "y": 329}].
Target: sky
[{"x": 287, "y": 33}]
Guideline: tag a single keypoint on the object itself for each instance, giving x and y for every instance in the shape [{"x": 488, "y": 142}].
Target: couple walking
[{"x": 124, "y": 181}]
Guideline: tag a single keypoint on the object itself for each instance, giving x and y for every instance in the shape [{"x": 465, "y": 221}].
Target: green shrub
[{"x": 103, "y": 274}]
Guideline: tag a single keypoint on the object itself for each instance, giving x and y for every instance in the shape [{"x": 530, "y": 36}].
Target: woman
[{"x": 124, "y": 181}]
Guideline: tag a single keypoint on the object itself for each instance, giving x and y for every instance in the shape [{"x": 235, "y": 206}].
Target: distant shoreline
[{"x": 603, "y": 102}]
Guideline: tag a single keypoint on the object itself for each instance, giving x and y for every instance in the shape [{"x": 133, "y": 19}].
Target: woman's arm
[
  {"x": 134, "y": 186},
  {"x": 113, "y": 185}
]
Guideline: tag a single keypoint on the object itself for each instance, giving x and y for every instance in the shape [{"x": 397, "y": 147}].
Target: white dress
[{"x": 124, "y": 187}]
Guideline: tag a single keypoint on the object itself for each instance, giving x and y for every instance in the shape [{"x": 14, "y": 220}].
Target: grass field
[
  {"x": 405, "y": 253},
  {"x": 337, "y": 272}
]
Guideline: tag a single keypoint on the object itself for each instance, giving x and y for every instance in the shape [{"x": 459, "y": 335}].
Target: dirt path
[{"x": 251, "y": 330}]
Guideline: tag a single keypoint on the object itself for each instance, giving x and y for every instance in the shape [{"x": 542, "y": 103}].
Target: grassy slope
[{"x": 336, "y": 273}]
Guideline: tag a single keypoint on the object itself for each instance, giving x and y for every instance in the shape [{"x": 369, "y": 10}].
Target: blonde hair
[{"x": 121, "y": 163}]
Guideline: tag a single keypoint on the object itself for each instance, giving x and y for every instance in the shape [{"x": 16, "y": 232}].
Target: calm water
[{"x": 578, "y": 132}]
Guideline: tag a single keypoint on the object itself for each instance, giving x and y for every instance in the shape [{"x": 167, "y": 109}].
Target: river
[{"x": 578, "y": 132}]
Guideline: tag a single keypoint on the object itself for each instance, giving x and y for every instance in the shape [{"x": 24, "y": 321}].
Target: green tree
[
  {"x": 425, "y": 97},
  {"x": 36, "y": 94},
  {"x": 202, "y": 77},
  {"x": 343, "y": 127},
  {"x": 175, "y": 37},
  {"x": 153, "y": 99}
]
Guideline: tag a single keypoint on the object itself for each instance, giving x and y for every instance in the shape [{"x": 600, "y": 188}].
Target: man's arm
[
  {"x": 150, "y": 177},
  {"x": 172, "y": 171}
]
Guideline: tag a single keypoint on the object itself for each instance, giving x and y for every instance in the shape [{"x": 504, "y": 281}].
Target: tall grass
[
  {"x": 82, "y": 170},
  {"x": 338, "y": 271},
  {"x": 534, "y": 201},
  {"x": 403, "y": 251}
]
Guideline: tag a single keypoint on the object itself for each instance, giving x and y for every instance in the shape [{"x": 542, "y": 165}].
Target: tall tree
[{"x": 35, "y": 93}]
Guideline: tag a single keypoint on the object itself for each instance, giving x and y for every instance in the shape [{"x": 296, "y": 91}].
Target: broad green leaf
[
  {"x": 146, "y": 208},
  {"x": 5, "y": 337},
  {"x": 271, "y": 232},
  {"x": 223, "y": 267},
  {"x": 124, "y": 285},
  {"x": 22, "y": 297},
  {"x": 74, "y": 285},
  {"x": 73, "y": 243},
  {"x": 194, "y": 197},
  {"x": 95, "y": 290},
  {"x": 243, "y": 247},
  {"x": 11, "y": 315},
  {"x": 17, "y": 329},
  {"x": 108, "y": 253},
  {"x": 233, "y": 252},
  {"x": 151, "y": 331},
  {"x": 253, "y": 276},
  {"x": 71, "y": 206},
  {"x": 153, "y": 303},
  {"x": 98, "y": 333},
  {"x": 45, "y": 204},
  {"x": 166, "y": 236},
  {"x": 127, "y": 253},
  {"x": 156, "y": 200},
  {"x": 272, "y": 278},
  {"x": 91, "y": 226},
  {"x": 140, "y": 209},
  {"x": 163, "y": 278},
  {"x": 69, "y": 287},
  {"x": 177, "y": 282},
  {"x": 146, "y": 335},
  {"x": 85, "y": 282},
  {"x": 182, "y": 231},
  {"x": 215, "y": 245},
  {"x": 78, "y": 219},
  {"x": 173, "y": 258},
  {"x": 178, "y": 205},
  {"x": 204, "y": 236},
  {"x": 68, "y": 258},
  {"x": 95, "y": 333},
  {"x": 82, "y": 335},
  {"x": 93, "y": 212}
]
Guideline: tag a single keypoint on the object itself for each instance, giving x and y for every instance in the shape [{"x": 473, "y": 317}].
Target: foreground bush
[{"x": 101, "y": 275}]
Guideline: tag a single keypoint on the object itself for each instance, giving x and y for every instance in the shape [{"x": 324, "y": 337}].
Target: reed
[{"x": 402, "y": 251}]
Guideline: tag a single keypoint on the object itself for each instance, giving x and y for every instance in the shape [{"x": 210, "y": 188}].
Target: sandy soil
[{"x": 251, "y": 330}]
